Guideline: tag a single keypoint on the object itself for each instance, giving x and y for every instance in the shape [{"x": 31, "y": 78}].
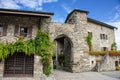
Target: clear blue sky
[{"x": 107, "y": 11}]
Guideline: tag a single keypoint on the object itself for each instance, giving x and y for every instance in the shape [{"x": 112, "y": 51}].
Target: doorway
[
  {"x": 19, "y": 65},
  {"x": 63, "y": 52}
]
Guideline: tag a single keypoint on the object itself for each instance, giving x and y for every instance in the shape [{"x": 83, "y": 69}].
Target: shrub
[
  {"x": 47, "y": 69},
  {"x": 114, "y": 53},
  {"x": 97, "y": 53},
  {"x": 102, "y": 53},
  {"x": 114, "y": 47},
  {"x": 61, "y": 59},
  {"x": 118, "y": 68}
]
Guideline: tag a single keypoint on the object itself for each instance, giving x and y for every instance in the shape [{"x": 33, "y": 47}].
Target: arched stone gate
[{"x": 63, "y": 52}]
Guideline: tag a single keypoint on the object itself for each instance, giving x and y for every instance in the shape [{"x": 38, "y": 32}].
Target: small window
[
  {"x": 1, "y": 30},
  {"x": 104, "y": 49},
  {"x": 116, "y": 63},
  {"x": 103, "y": 36},
  {"x": 23, "y": 31},
  {"x": 92, "y": 62}
]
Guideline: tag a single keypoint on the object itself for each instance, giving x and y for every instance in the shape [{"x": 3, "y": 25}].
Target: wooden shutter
[
  {"x": 30, "y": 31},
  {"x": 5, "y": 30},
  {"x": 19, "y": 64},
  {"x": 16, "y": 30},
  {"x": 101, "y": 36}
]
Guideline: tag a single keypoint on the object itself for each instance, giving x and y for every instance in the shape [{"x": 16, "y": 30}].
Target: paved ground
[{"x": 62, "y": 75}]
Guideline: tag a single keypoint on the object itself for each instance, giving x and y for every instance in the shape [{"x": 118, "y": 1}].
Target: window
[
  {"x": 90, "y": 33},
  {"x": 103, "y": 36},
  {"x": 116, "y": 63},
  {"x": 19, "y": 64},
  {"x": 104, "y": 49},
  {"x": 92, "y": 62},
  {"x": 23, "y": 31},
  {"x": 1, "y": 30}
]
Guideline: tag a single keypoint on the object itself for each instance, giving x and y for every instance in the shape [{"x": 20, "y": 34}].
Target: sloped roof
[
  {"x": 101, "y": 23},
  {"x": 27, "y": 13}
]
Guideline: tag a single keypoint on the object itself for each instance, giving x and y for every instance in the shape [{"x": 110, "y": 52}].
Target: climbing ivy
[
  {"x": 89, "y": 41},
  {"x": 114, "y": 47},
  {"x": 41, "y": 45},
  {"x": 44, "y": 48}
]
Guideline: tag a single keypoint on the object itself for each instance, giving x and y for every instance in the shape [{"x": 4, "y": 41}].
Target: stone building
[{"x": 69, "y": 37}]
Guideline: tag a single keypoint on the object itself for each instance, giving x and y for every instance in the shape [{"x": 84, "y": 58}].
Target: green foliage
[
  {"x": 118, "y": 68},
  {"x": 47, "y": 69},
  {"x": 61, "y": 59},
  {"x": 102, "y": 53},
  {"x": 114, "y": 47},
  {"x": 44, "y": 48},
  {"x": 3, "y": 52},
  {"x": 41, "y": 45},
  {"x": 89, "y": 41},
  {"x": 30, "y": 46},
  {"x": 114, "y": 53},
  {"x": 97, "y": 53},
  {"x": 20, "y": 46}
]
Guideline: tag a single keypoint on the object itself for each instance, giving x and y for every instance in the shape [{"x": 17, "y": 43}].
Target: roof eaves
[
  {"x": 23, "y": 12},
  {"x": 81, "y": 11}
]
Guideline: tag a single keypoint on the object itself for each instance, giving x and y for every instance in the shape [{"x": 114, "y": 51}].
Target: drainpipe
[{"x": 39, "y": 21}]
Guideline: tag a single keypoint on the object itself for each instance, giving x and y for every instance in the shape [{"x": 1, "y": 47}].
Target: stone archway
[{"x": 63, "y": 52}]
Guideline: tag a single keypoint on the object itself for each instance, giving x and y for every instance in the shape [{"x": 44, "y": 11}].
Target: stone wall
[
  {"x": 96, "y": 31},
  {"x": 107, "y": 63},
  {"x": 76, "y": 31},
  {"x": 44, "y": 24},
  {"x": 81, "y": 57},
  {"x": 93, "y": 61},
  {"x": 22, "y": 21}
]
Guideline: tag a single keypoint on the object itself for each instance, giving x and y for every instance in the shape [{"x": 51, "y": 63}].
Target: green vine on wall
[
  {"x": 89, "y": 41},
  {"x": 41, "y": 45},
  {"x": 114, "y": 47}
]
